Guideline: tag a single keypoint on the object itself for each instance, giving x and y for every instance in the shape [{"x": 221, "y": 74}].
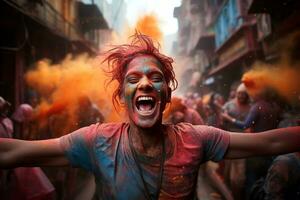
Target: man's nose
[{"x": 145, "y": 84}]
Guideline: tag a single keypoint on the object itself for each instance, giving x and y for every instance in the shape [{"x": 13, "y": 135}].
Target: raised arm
[
  {"x": 16, "y": 153},
  {"x": 273, "y": 142},
  {"x": 248, "y": 122}
]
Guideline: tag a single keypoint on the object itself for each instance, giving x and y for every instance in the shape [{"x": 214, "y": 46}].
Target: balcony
[
  {"x": 89, "y": 18},
  {"x": 45, "y": 14}
]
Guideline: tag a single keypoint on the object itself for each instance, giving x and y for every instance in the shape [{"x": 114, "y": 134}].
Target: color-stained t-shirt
[
  {"x": 104, "y": 150},
  {"x": 236, "y": 111},
  {"x": 262, "y": 116}
]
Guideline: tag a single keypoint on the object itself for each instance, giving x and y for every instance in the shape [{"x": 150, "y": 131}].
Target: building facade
[
  {"x": 36, "y": 29},
  {"x": 276, "y": 21},
  {"x": 224, "y": 44}
]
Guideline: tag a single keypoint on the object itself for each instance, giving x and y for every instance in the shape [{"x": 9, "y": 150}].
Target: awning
[
  {"x": 206, "y": 41},
  {"x": 90, "y": 17}
]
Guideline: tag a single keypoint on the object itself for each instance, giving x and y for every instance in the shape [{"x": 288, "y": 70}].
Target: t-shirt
[
  {"x": 262, "y": 116},
  {"x": 236, "y": 111},
  {"x": 104, "y": 150}
]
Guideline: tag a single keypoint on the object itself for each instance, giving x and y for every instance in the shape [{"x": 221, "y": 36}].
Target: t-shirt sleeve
[
  {"x": 78, "y": 147},
  {"x": 215, "y": 142}
]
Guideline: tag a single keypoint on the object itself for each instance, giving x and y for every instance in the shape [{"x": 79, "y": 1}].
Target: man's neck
[
  {"x": 241, "y": 104},
  {"x": 147, "y": 141}
]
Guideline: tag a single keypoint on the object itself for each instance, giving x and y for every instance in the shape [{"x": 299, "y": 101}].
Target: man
[
  {"x": 144, "y": 159},
  {"x": 6, "y": 124},
  {"x": 263, "y": 115},
  {"x": 238, "y": 107},
  {"x": 282, "y": 180},
  {"x": 179, "y": 112},
  {"x": 6, "y": 131}
]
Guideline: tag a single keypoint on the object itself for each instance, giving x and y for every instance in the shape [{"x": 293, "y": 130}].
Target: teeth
[{"x": 145, "y": 98}]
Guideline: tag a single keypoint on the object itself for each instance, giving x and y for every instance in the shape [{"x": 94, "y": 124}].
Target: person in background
[
  {"x": 83, "y": 184},
  {"x": 22, "y": 118},
  {"x": 263, "y": 115},
  {"x": 234, "y": 171},
  {"x": 6, "y": 124},
  {"x": 6, "y": 131},
  {"x": 200, "y": 108},
  {"x": 283, "y": 179},
  {"x": 88, "y": 113},
  {"x": 237, "y": 108},
  {"x": 264, "y": 109},
  {"x": 13, "y": 181},
  {"x": 179, "y": 112},
  {"x": 214, "y": 109}
]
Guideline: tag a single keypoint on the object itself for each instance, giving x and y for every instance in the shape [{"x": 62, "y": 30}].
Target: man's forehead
[{"x": 144, "y": 60}]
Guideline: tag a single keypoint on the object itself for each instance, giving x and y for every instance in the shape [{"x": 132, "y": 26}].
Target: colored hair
[{"x": 121, "y": 55}]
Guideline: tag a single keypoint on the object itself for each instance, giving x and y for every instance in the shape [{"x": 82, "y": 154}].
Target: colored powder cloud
[{"x": 282, "y": 76}]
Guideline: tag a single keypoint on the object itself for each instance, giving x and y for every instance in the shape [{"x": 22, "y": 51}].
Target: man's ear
[{"x": 169, "y": 95}]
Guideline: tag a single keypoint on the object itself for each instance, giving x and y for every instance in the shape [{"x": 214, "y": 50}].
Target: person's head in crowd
[
  {"x": 232, "y": 94},
  {"x": 175, "y": 111},
  {"x": 216, "y": 102},
  {"x": 33, "y": 100},
  {"x": 23, "y": 113},
  {"x": 4, "y": 107},
  {"x": 200, "y": 107},
  {"x": 241, "y": 94}
]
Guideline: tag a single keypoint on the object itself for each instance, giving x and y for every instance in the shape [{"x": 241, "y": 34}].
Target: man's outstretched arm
[
  {"x": 273, "y": 142},
  {"x": 17, "y": 153}
]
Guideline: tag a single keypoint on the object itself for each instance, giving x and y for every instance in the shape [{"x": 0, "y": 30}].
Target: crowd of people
[
  {"x": 267, "y": 177},
  {"x": 156, "y": 156},
  {"x": 47, "y": 183}
]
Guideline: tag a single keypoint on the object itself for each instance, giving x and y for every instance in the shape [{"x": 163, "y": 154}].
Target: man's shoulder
[
  {"x": 113, "y": 125},
  {"x": 98, "y": 130},
  {"x": 111, "y": 129},
  {"x": 187, "y": 129}
]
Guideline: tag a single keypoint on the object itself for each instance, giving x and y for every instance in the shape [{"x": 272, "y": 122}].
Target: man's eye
[
  {"x": 132, "y": 80},
  {"x": 157, "y": 78}
]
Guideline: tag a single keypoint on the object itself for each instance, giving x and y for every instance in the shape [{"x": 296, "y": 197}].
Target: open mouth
[{"x": 145, "y": 104}]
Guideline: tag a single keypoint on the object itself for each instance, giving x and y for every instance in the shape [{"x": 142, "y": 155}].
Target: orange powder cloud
[
  {"x": 149, "y": 25},
  {"x": 62, "y": 85},
  {"x": 283, "y": 76},
  {"x": 285, "y": 80}
]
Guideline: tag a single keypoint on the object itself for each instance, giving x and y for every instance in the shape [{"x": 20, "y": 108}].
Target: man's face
[
  {"x": 145, "y": 91},
  {"x": 242, "y": 97}
]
